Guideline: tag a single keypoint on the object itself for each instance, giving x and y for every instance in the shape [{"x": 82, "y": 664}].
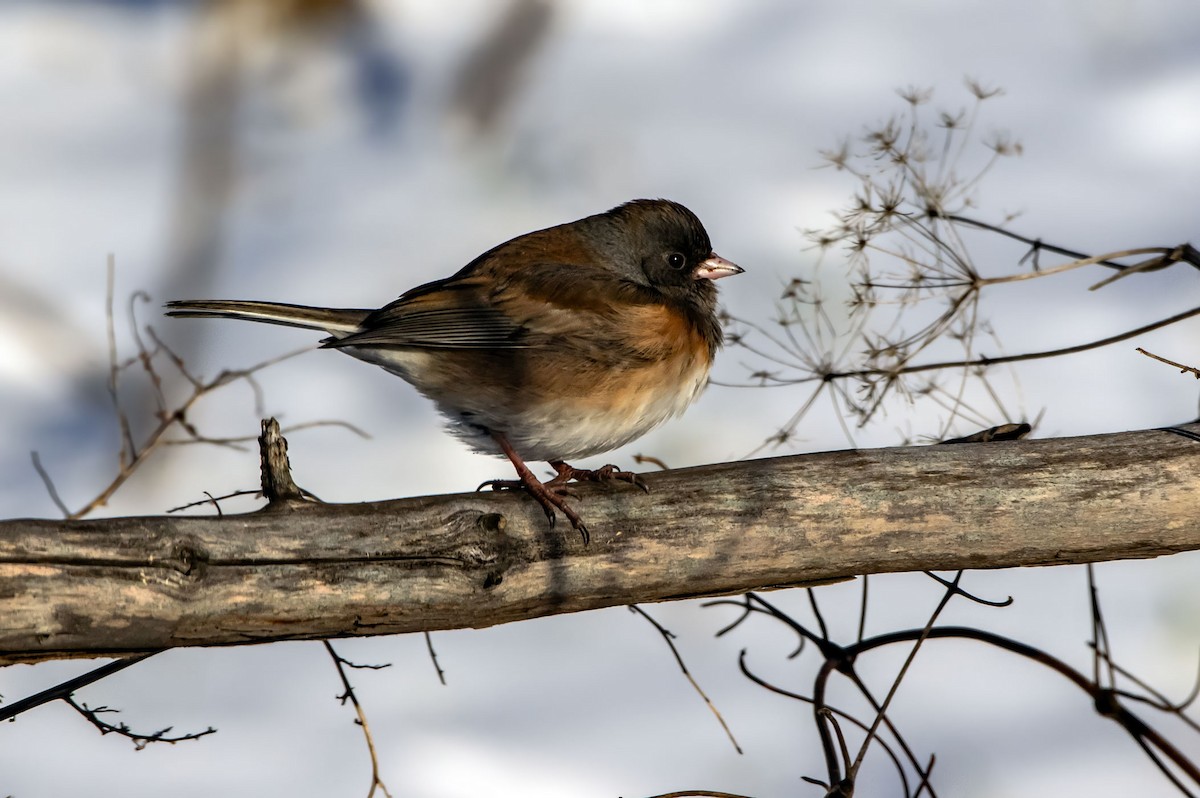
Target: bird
[{"x": 558, "y": 344}]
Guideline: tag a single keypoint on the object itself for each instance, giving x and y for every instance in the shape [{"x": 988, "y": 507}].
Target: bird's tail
[{"x": 335, "y": 321}]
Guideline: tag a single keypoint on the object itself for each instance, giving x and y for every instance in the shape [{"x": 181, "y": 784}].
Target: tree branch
[{"x": 308, "y": 570}]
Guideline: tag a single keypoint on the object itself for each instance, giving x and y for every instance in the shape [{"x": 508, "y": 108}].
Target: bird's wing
[
  {"x": 447, "y": 314},
  {"x": 555, "y": 299},
  {"x": 490, "y": 306}
]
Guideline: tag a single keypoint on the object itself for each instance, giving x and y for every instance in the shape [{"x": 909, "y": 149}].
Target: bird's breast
[
  {"x": 582, "y": 392},
  {"x": 659, "y": 367}
]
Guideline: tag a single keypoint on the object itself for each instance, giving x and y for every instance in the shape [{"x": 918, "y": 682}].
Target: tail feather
[{"x": 335, "y": 321}]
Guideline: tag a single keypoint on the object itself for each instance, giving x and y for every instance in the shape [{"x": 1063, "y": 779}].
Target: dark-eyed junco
[{"x": 561, "y": 343}]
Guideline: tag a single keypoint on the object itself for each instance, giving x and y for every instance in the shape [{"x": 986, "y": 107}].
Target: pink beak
[{"x": 715, "y": 267}]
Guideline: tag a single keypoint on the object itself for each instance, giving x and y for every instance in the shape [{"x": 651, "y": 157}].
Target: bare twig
[
  {"x": 65, "y": 692},
  {"x": 215, "y": 501},
  {"x": 64, "y": 689},
  {"x": 881, "y": 713},
  {"x": 745, "y": 669},
  {"x": 1158, "y": 748},
  {"x": 127, "y": 445},
  {"x": 349, "y": 695},
  {"x": 140, "y": 741},
  {"x": 178, "y": 416},
  {"x": 953, "y": 586},
  {"x": 1164, "y": 257},
  {"x": 1000, "y": 360},
  {"x": 902, "y": 237},
  {"x": 1182, "y": 368},
  {"x": 654, "y": 461},
  {"x": 441, "y": 674},
  {"x": 1036, "y": 245},
  {"x": 840, "y": 659},
  {"x": 668, "y": 637},
  {"x": 233, "y": 441},
  {"x": 49, "y": 483}
]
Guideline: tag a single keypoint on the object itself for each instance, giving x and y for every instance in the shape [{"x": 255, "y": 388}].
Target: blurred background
[{"x": 338, "y": 152}]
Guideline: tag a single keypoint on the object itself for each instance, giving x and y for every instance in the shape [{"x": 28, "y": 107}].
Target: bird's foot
[
  {"x": 501, "y": 484},
  {"x": 553, "y": 497},
  {"x": 608, "y": 473},
  {"x": 550, "y": 495},
  {"x": 517, "y": 484}
]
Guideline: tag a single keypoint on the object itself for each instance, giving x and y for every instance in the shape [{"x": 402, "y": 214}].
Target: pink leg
[
  {"x": 606, "y": 473},
  {"x": 549, "y": 495}
]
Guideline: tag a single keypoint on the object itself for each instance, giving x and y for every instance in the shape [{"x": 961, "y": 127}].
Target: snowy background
[{"x": 218, "y": 150}]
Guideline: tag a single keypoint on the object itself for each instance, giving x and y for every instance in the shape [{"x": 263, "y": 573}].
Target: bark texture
[{"x": 299, "y": 570}]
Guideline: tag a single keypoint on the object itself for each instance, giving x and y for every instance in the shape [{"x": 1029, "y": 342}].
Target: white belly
[{"x": 621, "y": 409}]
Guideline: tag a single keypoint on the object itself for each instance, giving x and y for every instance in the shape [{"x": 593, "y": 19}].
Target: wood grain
[{"x": 123, "y": 585}]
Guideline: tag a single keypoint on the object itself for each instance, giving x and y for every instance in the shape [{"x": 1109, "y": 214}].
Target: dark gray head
[{"x": 661, "y": 244}]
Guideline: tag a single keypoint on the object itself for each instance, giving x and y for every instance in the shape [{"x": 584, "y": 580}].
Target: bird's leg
[
  {"x": 550, "y": 494},
  {"x": 606, "y": 473}
]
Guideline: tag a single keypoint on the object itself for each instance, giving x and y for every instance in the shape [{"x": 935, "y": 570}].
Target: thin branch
[
  {"x": 349, "y": 695},
  {"x": 146, "y": 356},
  {"x": 215, "y": 501},
  {"x": 233, "y": 441},
  {"x": 812, "y": 601},
  {"x": 862, "y": 611},
  {"x": 64, "y": 689},
  {"x": 668, "y": 638},
  {"x": 140, "y": 741},
  {"x": 1182, "y": 368},
  {"x": 654, "y": 461},
  {"x": 951, "y": 591},
  {"x": 49, "y": 483},
  {"x": 1105, "y": 700},
  {"x": 1156, "y": 699},
  {"x": 953, "y": 586},
  {"x": 996, "y": 361},
  {"x": 761, "y": 682},
  {"x": 157, "y": 438},
  {"x": 837, "y": 658},
  {"x": 127, "y": 445},
  {"x": 1035, "y": 244},
  {"x": 1184, "y": 253},
  {"x": 441, "y": 674},
  {"x": 1075, "y": 264}
]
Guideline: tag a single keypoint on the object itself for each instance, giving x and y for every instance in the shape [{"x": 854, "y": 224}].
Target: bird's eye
[{"x": 676, "y": 260}]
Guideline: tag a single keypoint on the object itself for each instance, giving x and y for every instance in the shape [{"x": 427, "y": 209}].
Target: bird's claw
[
  {"x": 553, "y": 498},
  {"x": 550, "y": 496},
  {"x": 606, "y": 473},
  {"x": 501, "y": 484}
]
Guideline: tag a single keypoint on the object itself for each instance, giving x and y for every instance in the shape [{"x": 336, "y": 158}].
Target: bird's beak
[{"x": 715, "y": 267}]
